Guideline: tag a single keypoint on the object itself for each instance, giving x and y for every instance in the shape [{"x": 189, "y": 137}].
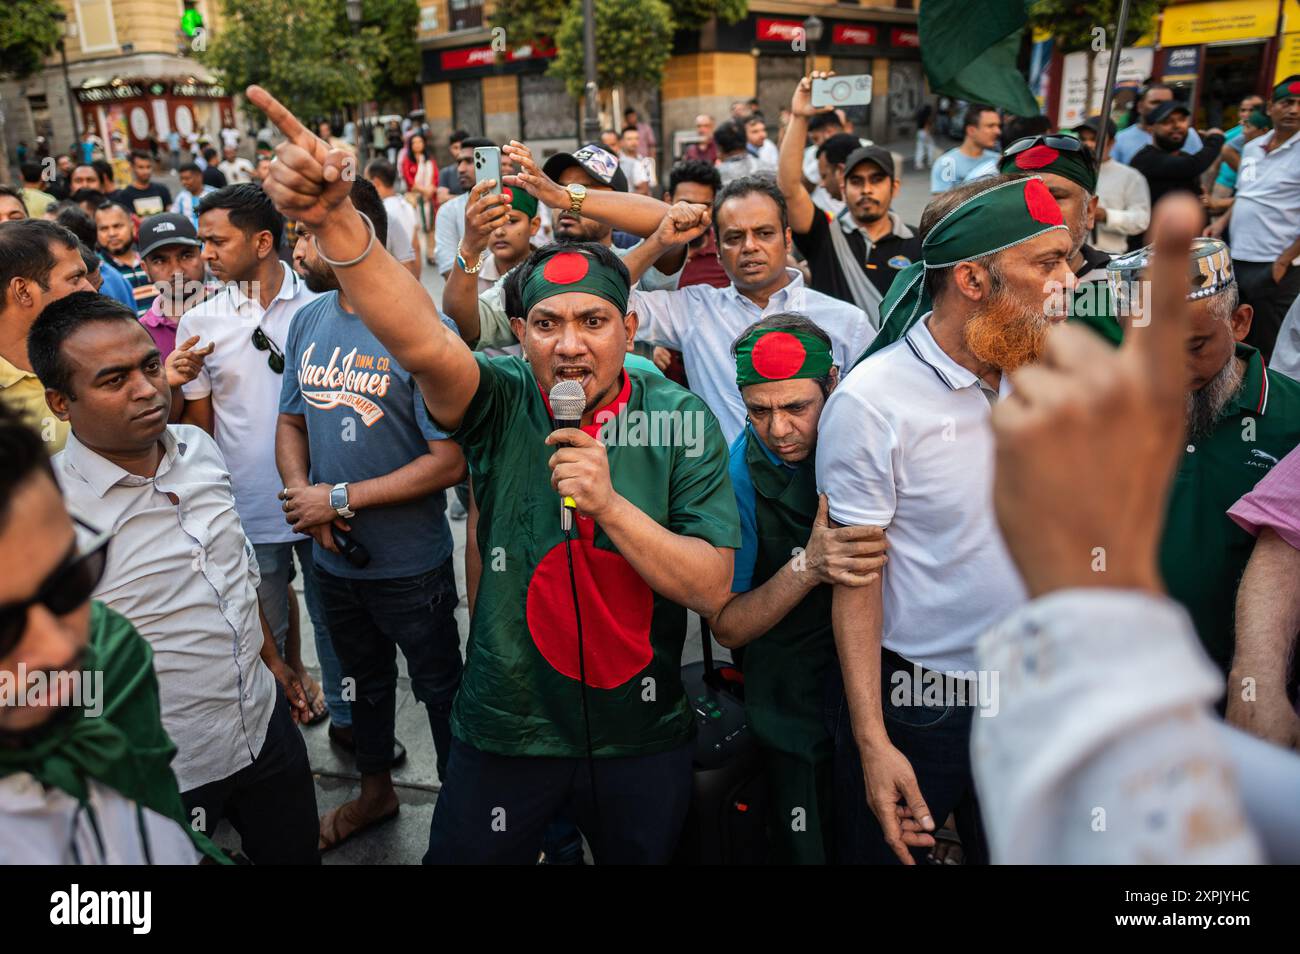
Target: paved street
[{"x": 404, "y": 840}]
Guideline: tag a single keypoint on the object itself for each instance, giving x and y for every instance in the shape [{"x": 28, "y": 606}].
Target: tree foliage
[
  {"x": 398, "y": 65},
  {"x": 29, "y": 33},
  {"x": 633, "y": 42},
  {"x": 689, "y": 14},
  {"x": 1074, "y": 23},
  {"x": 298, "y": 50}
]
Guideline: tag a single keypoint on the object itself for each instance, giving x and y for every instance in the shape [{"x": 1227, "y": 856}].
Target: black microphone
[
  {"x": 568, "y": 401},
  {"x": 352, "y": 551}
]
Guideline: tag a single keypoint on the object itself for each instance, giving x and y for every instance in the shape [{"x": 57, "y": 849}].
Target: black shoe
[{"x": 342, "y": 737}]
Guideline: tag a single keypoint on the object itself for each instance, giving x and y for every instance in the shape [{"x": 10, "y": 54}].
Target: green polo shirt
[
  {"x": 520, "y": 693},
  {"x": 1203, "y": 552}
]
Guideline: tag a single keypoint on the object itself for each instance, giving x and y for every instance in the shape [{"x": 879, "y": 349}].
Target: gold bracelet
[{"x": 464, "y": 263}]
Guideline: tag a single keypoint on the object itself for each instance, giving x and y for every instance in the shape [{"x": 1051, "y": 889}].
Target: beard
[
  {"x": 1169, "y": 143},
  {"x": 1006, "y": 333},
  {"x": 1205, "y": 405},
  {"x": 317, "y": 276}
]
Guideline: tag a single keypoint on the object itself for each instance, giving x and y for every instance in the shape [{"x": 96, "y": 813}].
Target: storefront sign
[
  {"x": 778, "y": 31},
  {"x": 1182, "y": 62},
  {"x": 1288, "y": 57},
  {"x": 480, "y": 56},
  {"x": 108, "y": 94},
  {"x": 1134, "y": 67},
  {"x": 845, "y": 35},
  {"x": 1188, "y": 23},
  {"x": 907, "y": 38}
]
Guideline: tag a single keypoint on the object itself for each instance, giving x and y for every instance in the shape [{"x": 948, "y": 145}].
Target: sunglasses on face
[
  {"x": 274, "y": 360},
  {"x": 1060, "y": 143},
  {"x": 64, "y": 590}
]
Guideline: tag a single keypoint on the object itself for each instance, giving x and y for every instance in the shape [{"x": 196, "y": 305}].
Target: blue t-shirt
[
  {"x": 365, "y": 418},
  {"x": 951, "y": 169},
  {"x": 742, "y": 580},
  {"x": 1227, "y": 175},
  {"x": 114, "y": 285}
]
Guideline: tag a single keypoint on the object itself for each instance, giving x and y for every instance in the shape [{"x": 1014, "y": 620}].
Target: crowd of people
[{"x": 997, "y": 513}]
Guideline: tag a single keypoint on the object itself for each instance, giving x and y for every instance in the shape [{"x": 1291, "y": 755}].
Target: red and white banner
[
  {"x": 779, "y": 31},
  {"x": 845, "y": 35}
]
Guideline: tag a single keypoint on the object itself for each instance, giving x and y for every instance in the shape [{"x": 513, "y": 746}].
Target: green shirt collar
[{"x": 1252, "y": 396}]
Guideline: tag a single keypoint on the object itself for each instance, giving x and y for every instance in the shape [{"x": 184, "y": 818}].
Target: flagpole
[{"x": 1112, "y": 70}]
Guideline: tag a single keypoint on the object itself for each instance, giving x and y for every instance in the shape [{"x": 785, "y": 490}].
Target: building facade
[
  {"x": 505, "y": 94},
  {"x": 130, "y": 76}
]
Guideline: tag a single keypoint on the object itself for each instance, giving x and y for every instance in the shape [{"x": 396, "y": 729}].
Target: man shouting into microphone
[{"x": 654, "y": 535}]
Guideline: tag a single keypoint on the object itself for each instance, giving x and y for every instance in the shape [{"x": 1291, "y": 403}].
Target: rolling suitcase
[{"x": 725, "y": 823}]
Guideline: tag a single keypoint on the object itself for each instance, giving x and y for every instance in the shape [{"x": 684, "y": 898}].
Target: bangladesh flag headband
[
  {"x": 1287, "y": 88},
  {"x": 1044, "y": 157},
  {"x": 520, "y": 200},
  {"x": 776, "y": 354},
  {"x": 575, "y": 272},
  {"x": 1000, "y": 217}
]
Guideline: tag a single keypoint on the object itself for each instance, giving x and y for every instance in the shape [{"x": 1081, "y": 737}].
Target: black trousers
[
  {"x": 1270, "y": 299},
  {"x": 271, "y": 803}
]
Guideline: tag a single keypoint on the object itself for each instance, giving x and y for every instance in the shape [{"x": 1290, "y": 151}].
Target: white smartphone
[
  {"x": 487, "y": 165},
  {"x": 842, "y": 91}
]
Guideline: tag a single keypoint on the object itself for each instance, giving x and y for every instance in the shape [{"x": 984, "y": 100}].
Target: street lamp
[
  {"x": 354, "y": 14},
  {"x": 62, "y": 19},
  {"x": 591, "y": 120}
]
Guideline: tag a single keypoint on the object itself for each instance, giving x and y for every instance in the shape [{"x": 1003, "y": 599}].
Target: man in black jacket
[{"x": 1166, "y": 167}]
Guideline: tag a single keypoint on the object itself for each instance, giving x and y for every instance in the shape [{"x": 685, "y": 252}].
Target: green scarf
[
  {"x": 998, "y": 218},
  {"x": 125, "y": 747}
]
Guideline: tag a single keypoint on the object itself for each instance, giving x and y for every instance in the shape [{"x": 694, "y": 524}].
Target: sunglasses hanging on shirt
[{"x": 274, "y": 360}]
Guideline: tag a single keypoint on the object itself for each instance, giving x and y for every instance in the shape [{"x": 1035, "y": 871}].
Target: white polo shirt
[
  {"x": 246, "y": 394},
  {"x": 905, "y": 444},
  {"x": 1266, "y": 211}
]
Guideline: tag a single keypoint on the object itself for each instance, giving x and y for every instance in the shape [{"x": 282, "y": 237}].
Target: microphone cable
[{"x": 582, "y": 679}]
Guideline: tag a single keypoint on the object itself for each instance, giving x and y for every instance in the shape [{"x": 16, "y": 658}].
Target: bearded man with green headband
[
  {"x": 789, "y": 557},
  {"x": 571, "y": 700},
  {"x": 85, "y": 768},
  {"x": 905, "y": 444}
]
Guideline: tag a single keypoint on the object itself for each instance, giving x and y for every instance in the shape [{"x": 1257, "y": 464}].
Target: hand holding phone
[{"x": 487, "y": 165}]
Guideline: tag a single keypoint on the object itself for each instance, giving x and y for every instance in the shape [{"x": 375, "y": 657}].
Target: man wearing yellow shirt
[{"x": 40, "y": 262}]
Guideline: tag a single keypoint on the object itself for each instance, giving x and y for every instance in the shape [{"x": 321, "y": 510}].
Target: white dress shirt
[
  {"x": 702, "y": 321},
  {"x": 905, "y": 444},
  {"x": 185, "y": 575},
  {"x": 1104, "y": 750},
  {"x": 1266, "y": 211},
  {"x": 401, "y": 228},
  {"x": 1123, "y": 192},
  {"x": 448, "y": 230},
  {"x": 246, "y": 394},
  {"x": 40, "y": 826}
]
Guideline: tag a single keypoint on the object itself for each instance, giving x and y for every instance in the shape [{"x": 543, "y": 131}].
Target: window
[
  {"x": 95, "y": 27},
  {"x": 546, "y": 108},
  {"x": 466, "y": 14},
  {"x": 467, "y": 105}
]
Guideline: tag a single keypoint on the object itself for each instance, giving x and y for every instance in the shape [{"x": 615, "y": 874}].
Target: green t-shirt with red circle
[{"x": 520, "y": 694}]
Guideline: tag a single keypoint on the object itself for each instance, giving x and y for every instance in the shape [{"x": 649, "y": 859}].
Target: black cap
[
  {"x": 873, "y": 154},
  {"x": 1166, "y": 109},
  {"x": 1094, "y": 123},
  {"x": 166, "y": 228},
  {"x": 597, "y": 161}
]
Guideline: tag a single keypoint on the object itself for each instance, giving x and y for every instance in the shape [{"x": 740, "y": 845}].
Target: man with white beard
[{"x": 1241, "y": 420}]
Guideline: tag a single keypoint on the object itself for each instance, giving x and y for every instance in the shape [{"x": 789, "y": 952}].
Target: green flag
[{"x": 969, "y": 50}]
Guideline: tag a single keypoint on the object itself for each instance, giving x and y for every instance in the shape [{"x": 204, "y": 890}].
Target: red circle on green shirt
[
  {"x": 566, "y": 268},
  {"x": 778, "y": 355},
  {"x": 1042, "y": 207},
  {"x": 617, "y": 607},
  {"x": 1035, "y": 157}
]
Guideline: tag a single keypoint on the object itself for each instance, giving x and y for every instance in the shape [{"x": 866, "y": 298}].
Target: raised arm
[
  {"x": 310, "y": 183},
  {"x": 484, "y": 212},
  {"x": 789, "y": 171}
]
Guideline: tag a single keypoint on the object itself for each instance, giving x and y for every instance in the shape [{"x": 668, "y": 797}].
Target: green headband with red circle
[
  {"x": 781, "y": 354},
  {"x": 1289, "y": 88},
  {"x": 575, "y": 271}
]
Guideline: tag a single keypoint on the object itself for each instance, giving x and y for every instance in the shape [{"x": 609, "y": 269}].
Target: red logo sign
[
  {"x": 780, "y": 31},
  {"x": 477, "y": 56},
  {"x": 854, "y": 35},
  {"x": 898, "y": 37}
]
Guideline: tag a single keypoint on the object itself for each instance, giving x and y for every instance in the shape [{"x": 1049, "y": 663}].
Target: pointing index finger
[
  {"x": 282, "y": 119},
  {"x": 1157, "y": 341}
]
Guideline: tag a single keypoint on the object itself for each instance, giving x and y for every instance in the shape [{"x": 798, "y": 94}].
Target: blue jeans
[
  {"x": 369, "y": 620},
  {"x": 275, "y": 561},
  {"x": 496, "y": 809},
  {"x": 936, "y": 740}
]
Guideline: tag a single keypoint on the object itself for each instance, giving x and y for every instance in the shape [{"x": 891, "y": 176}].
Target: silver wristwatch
[{"x": 339, "y": 501}]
